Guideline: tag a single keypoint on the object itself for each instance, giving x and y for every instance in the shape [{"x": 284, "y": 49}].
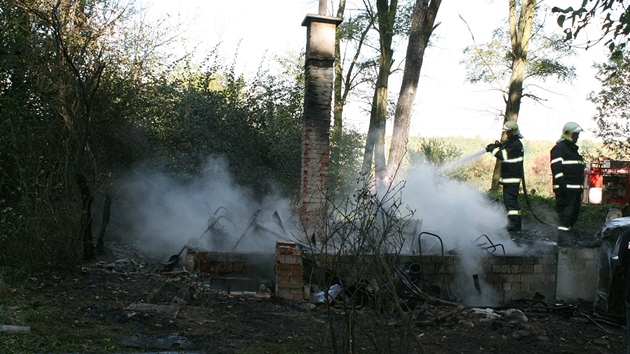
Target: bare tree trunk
[
  {"x": 322, "y": 8},
  {"x": 338, "y": 93},
  {"x": 86, "y": 217},
  {"x": 422, "y": 26},
  {"x": 520, "y": 36},
  {"x": 339, "y": 88},
  {"x": 100, "y": 240},
  {"x": 375, "y": 142},
  {"x": 343, "y": 84}
]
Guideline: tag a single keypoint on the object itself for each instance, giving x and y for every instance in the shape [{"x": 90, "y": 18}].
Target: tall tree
[
  {"x": 30, "y": 145},
  {"x": 487, "y": 63},
  {"x": 612, "y": 18},
  {"x": 340, "y": 91},
  {"x": 375, "y": 141},
  {"x": 613, "y": 104},
  {"x": 422, "y": 26},
  {"x": 80, "y": 30},
  {"x": 351, "y": 65},
  {"x": 352, "y": 69},
  {"x": 520, "y": 36},
  {"x": 66, "y": 89}
]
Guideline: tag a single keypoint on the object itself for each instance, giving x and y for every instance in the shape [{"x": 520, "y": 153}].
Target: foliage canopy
[
  {"x": 613, "y": 103},
  {"x": 612, "y": 15}
]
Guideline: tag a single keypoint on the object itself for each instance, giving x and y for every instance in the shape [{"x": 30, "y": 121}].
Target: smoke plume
[
  {"x": 466, "y": 221},
  {"x": 160, "y": 214}
]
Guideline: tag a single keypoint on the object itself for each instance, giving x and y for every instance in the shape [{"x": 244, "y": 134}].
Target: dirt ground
[{"x": 123, "y": 303}]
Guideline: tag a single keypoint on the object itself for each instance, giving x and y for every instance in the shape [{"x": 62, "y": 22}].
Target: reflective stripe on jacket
[
  {"x": 567, "y": 166},
  {"x": 511, "y": 156}
]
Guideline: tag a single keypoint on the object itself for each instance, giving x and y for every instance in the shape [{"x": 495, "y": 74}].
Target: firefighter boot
[
  {"x": 563, "y": 238},
  {"x": 514, "y": 224}
]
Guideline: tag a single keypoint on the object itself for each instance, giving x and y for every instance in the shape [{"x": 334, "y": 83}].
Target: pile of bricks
[{"x": 289, "y": 272}]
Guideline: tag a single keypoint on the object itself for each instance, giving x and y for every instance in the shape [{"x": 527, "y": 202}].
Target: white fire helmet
[
  {"x": 513, "y": 127},
  {"x": 570, "y": 128}
]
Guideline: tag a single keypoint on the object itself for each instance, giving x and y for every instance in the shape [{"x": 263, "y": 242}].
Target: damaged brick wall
[
  {"x": 522, "y": 277},
  {"x": 232, "y": 272},
  {"x": 289, "y": 272},
  {"x": 513, "y": 277},
  {"x": 215, "y": 263}
]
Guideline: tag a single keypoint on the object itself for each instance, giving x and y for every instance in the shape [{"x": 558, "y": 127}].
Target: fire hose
[
  {"x": 501, "y": 144},
  {"x": 529, "y": 206}
]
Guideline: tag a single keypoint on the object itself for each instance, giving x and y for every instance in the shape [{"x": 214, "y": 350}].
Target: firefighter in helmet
[
  {"x": 567, "y": 168},
  {"x": 511, "y": 154}
]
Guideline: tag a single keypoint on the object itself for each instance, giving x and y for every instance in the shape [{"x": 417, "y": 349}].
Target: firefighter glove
[{"x": 491, "y": 147}]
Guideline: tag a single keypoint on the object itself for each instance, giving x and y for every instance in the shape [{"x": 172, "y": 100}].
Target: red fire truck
[{"x": 607, "y": 181}]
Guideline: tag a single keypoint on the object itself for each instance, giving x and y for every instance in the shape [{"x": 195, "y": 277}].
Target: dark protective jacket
[
  {"x": 567, "y": 167},
  {"x": 624, "y": 259},
  {"x": 511, "y": 156}
]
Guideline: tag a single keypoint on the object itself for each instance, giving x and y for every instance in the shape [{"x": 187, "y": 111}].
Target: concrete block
[{"x": 577, "y": 275}]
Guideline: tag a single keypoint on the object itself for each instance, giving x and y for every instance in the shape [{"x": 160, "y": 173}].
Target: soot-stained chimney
[{"x": 319, "y": 76}]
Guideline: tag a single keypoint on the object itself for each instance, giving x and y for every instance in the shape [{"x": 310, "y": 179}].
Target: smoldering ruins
[
  {"x": 429, "y": 238},
  {"x": 448, "y": 240}
]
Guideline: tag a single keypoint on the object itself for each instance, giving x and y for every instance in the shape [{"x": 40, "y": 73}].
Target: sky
[{"x": 445, "y": 104}]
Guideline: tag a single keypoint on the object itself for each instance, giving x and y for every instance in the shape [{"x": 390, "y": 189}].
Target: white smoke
[
  {"x": 466, "y": 221},
  {"x": 456, "y": 212},
  {"x": 161, "y": 215}
]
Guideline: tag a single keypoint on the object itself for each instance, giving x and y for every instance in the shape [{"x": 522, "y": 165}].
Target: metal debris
[{"x": 169, "y": 342}]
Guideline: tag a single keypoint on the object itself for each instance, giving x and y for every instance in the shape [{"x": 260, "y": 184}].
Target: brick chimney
[{"x": 319, "y": 75}]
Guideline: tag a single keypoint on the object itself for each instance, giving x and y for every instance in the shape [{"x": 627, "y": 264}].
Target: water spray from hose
[
  {"x": 458, "y": 163},
  {"x": 467, "y": 159}
]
